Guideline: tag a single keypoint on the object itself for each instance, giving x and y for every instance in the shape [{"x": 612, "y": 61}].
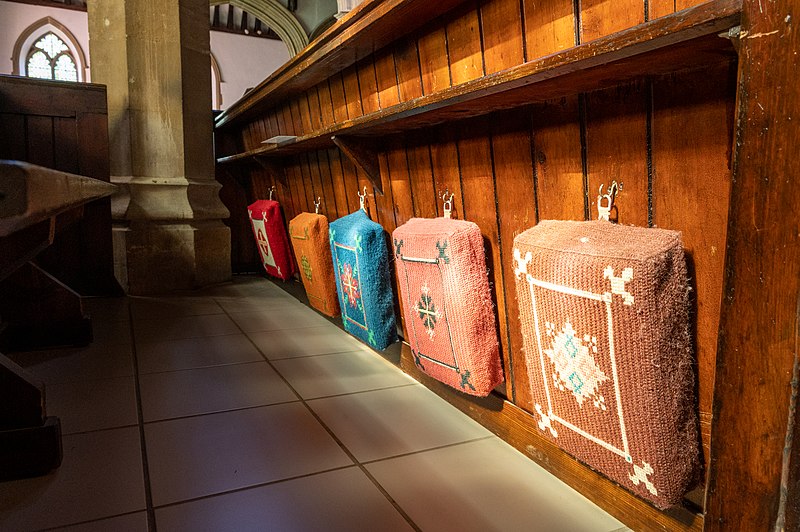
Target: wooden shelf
[{"x": 686, "y": 39}]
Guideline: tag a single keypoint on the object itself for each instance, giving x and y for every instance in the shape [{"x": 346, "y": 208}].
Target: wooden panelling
[
  {"x": 603, "y": 17},
  {"x": 337, "y": 97},
  {"x": 368, "y": 86},
  {"x": 616, "y": 150},
  {"x": 386, "y": 76},
  {"x": 421, "y": 176},
  {"x": 325, "y": 104},
  {"x": 660, "y": 8},
  {"x": 433, "y": 61},
  {"x": 502, "y": 34},
  {"x": 406, "y": 60},
  {"x": 464, "y": 46},
  {"x": 549, "y": 27},
  {"x": 397, "y": 172},
  {"x": 314, "y": 109},
  {"x": 691, "y": 189},
  {"x": 352, "y": 94},
  {"x": 446, "y": 175}
]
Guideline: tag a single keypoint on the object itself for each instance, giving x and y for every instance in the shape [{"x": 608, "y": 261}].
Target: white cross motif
[
  {"x": 521, "y": 263},
  {"x": 618, "y": 284},
  {"x": 263, "y": 242},
  {"x": 546, "y": 422},
  {"x": 640, "y": 475}
]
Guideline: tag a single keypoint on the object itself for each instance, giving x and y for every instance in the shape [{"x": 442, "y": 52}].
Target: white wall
[
  {"x": 243, "y": 61},
  {"x": 15, "y": 18}
]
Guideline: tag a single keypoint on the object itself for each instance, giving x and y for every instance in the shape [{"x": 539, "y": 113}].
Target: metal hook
[
  {"x": 604, "y": 211},
  {"x": 271, "y": 190},
  {"x": 317, "y": 204},
  {"x": 362, "y": 199},
  {"x": 448, "y": 203}
]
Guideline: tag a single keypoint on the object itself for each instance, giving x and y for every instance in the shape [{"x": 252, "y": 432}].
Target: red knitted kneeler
[
  {"x": 604, "y": 311},
  {"x": 449, "y": 315},
  {"x": 311, "y": 243},
  {"x": 271, "y": 239}
]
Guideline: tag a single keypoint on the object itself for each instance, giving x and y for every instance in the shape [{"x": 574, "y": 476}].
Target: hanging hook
[
  {"x": 604, "y": 211},
  {"x": 362, "y": 199},
  {"x": 271, "y": 190},
  {"x": 317, "y": 204},
  {"x": 448, "y": 203}
]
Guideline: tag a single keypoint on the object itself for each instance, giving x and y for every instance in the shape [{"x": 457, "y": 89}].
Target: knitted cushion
[
  {"x": 361, "y": 266},
  {"x": 441, "y": 270},
  {"x": 605, "y": 320},
  {"x": 309, "y": 234},
  {"x": 270, "y": 234}
]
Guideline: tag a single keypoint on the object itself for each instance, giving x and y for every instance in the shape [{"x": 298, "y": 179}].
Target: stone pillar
[{"x": 154, "y": 57}]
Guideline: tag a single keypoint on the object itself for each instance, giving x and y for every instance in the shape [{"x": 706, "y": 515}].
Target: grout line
[
  {"x": 227, "y": 411},
  {"x": 421, "y": 451},
  {"x": 79, "y": 523},
  {"x": 148, "y": 493},
  {"x": 359, "y": 392},
  {"x": 209, "y": 366},
  {"x": 254, "y": 486},
  {"x": 316, "y": 355},
  {"x": 92, "y": 431},
  {"x": 343, "y": 446}
]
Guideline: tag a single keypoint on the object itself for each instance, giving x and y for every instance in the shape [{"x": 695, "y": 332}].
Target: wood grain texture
[
  {"x": 549, "y": 27},
  {"x": 288, "y": 122},
  {"x": 660, "y": 8},
  {"x": 479, "y": 204},
  {"x": 386, "y": 75},
  {"x": 325, "y": 104},
  {"x": 337, "y": 97},
  {"x": 616, "y": 150},
  {"x": 601, "y": 17},
  {"x": 516, "y": 206},
  {"x": 559, "y": 169},
  {"x": 501, "y": 23},
  {"x": 397, "y": 172},
  {"x": 299, "y": 118},
  {"x": 314, "y": 109},
  {"x": 757, "y": 358},
  {"x": 333, "y": 170},
  {"x": 464, "y": 46},
  {"x": 445, "y": 166},
  {"x": 683, "y": 4},
  {"x": 406, "y": 60},
  {"x": 691, "y": 190},
  {"x": 352, "y": 94},
  {"x": 421, "y": 177},
  {"x": 368, "y": 85},
  {"x": 433, "y": 61}
]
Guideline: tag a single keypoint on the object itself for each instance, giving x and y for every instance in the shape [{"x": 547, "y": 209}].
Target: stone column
[{"x": 154, "y": 57}]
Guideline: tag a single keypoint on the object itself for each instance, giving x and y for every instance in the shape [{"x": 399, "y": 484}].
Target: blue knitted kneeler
[{"x": 361, "y": 268}]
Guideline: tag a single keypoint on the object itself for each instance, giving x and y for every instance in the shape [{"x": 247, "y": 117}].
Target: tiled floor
[{"x": 238, "y": 408}]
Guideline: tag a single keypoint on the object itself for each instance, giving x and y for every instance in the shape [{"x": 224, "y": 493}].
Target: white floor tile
[
  {"x": 153, "y": 308},
  {"x": 100, "y": 476},
  {"x": 214, "y": 389},
  {"x": 160, "y": 330},
  {"x": 293, "y": 343},
  {"x": 136, "y": 522},
  {"x": 384, "y": 423},
  {"x": 96, "y": 361},
  {"x": 198, "y": 456},
  {"x": 93, "y": 405},
  {"x": 483, "y": 486},
  {"x": 278, "y": 318},
  {"x": 187, "y": 353},
  {"x": 341, "y": 373},
  {"x": 343, "y": 500}
]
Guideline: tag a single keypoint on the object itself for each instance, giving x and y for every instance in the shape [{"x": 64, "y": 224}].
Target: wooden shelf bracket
[{"x": 363, "y": 156}]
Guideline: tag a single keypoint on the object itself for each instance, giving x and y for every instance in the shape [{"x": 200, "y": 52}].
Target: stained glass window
[{"x": 50, "y": 58}]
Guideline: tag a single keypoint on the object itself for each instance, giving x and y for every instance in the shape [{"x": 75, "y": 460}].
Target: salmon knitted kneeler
[
  {"x": 604, "y": 311},
  {"x": 270, "y": 234},
  {"x": 361, "y": 268},
  {"x": 449, "y": 315},
  {"x": 309, "y": 234}
]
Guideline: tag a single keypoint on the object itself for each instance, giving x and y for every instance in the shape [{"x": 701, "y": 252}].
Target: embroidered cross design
[
  {"x": 618, "y": 284},
  {"x": 465, "y": 380},
  {"x": 306, "y": 267},
  {"x": 371, "y": 337},
  {"x": 640, "y": 475},
  {"x": 521, "y": 263},
  {"x": 575, "y": 368},
  {"x": 417, "y": 360},
  {"x": 359, "y": 248},
  {"x": 331, "y": 235},
  {"x": 397, "y": 246},
  {"x": 546, "y": 423},
  {"x": 427, "y": 311},
  {"x": 442, "y": 247},
  {"x": 350, "y": 285}
]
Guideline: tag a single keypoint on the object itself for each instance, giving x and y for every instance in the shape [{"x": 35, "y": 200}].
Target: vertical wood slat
[
  {"x": 397, "y": 172},
  {"x": 691, "y": 190},
  {"x": 659, "y": 8},
  {"x": 311, "y": 190},
  {"x": 329, "y": 198},
  {"x": 66, "y": 149},
  {"x": 336, "y": 85},
  {"x": 325, "y": 104},
  {"x": 302, "y": 122},
  {"x": 616, "y": 149},
  {"x": 368, "y": 85},
  {"x": 409, "y": 80},
  {"x": 464, "y": 45},
  {"x": 39, "y": 133},
  {"x": 478, "y": 189},
  {"x": 516, "y": 206},
  {"x": 444, "y": 162},
  {"x": 501, "y": 24},
  {"x": 346, "y": 185},
  {"x": 352, "y": 94},
  {"x": 421, "y": 177},
  {"x": 314, "y": 109},
  {"x": 12, "y": 144},
  {"x": 386, "y": 76},
  {"x": 288, "y": 122},
  {"x": 549, "y": 27},
  {"x": 433, "y": 61},
  {"x": 600, "y": 17}
]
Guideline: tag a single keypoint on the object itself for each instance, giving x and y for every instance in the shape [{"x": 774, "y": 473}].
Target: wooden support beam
[
  {"x": 276, "y": 169},
  {"x": 363, "y": 155}
]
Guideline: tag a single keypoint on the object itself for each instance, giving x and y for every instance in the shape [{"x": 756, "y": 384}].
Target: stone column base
[{"x": 157, "y": 257}]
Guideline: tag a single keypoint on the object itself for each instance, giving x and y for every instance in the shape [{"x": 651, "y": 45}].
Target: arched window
[
  {"x": 48, "y": 50},
  {"x": 50, "y": 58}
]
